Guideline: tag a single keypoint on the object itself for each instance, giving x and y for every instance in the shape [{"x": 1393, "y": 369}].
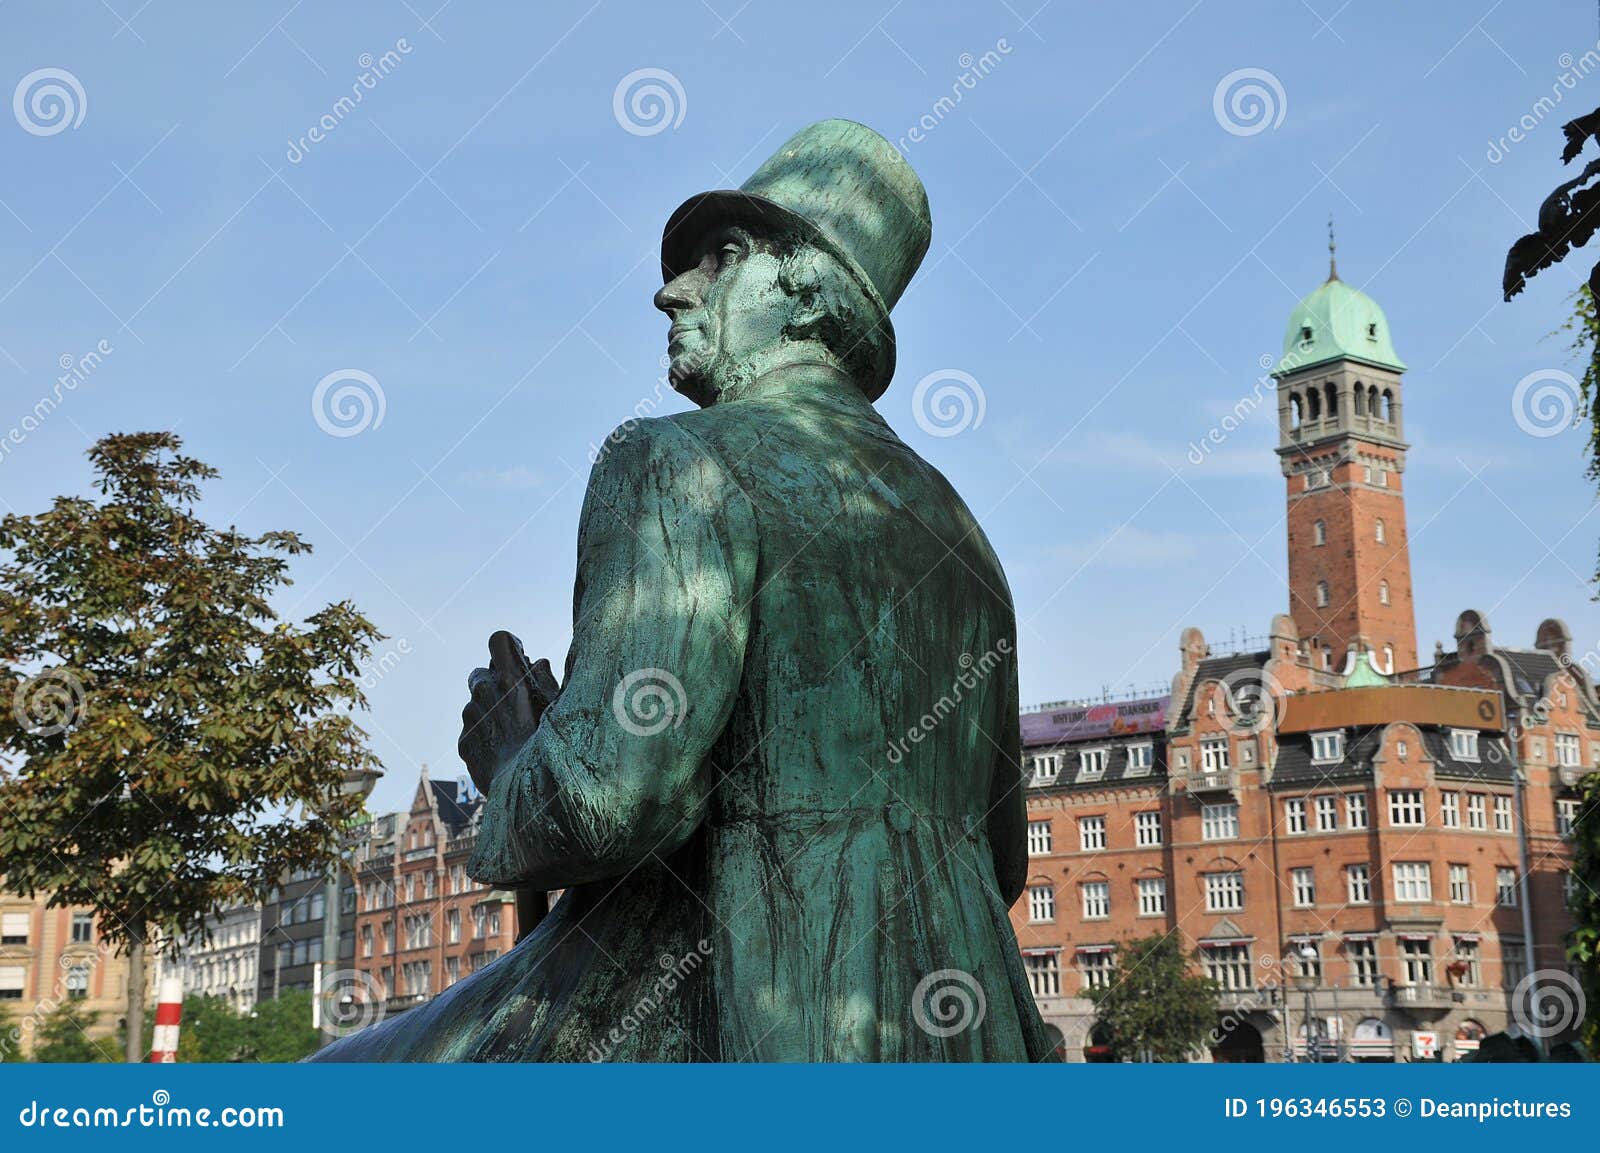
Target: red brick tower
[{"x": 1342, "y": 448}]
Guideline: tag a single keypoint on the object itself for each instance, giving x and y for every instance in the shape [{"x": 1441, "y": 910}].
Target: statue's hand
[{"x": 508, "y": 698}]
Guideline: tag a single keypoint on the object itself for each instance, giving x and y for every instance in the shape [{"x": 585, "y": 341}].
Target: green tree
[
  {"x": 63, "y": 1036},
  {"x": 172, "y": 747},
  {"x": 1154, "y": 1006},
  {"x": 10, "y": 1036},
  {"x": 282, "y": 1027},
  {"x": 1584, "y": 948}
]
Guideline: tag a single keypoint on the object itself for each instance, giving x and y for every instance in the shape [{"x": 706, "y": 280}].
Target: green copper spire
[{"x": 1337, "y": 322}]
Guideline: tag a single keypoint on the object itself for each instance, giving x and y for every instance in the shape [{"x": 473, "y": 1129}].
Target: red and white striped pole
[{"x": 169, "y": 1012}]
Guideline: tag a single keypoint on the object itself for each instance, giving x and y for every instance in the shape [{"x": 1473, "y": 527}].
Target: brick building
[
  {"x": 222, "y": 960},
  {"x": 422, "y": 923},
  {"x": 49, "y": 956},
  {"x": 1335, "y": 834}
]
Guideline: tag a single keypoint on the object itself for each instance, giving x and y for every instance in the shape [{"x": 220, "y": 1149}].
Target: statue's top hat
[{"x": 846, "y": 190}]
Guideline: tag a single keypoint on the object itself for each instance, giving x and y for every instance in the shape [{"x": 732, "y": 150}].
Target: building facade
[
  {"x": 223, "y": 961},
  {"x": 422, "y": 923},
  {"x": 1335, "y": 835},
  {"x": 51, "y": 956}
]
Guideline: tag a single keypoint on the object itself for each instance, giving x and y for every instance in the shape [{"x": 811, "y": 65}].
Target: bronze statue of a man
[{"x": 780, "y": 781}]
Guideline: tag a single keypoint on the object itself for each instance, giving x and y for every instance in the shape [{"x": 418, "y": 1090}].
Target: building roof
[
  {"x": 1224, "y": 669},
  {"x": 1344, "y": 323},
  {"x": 456, "y": 804},
  {"x": 1116, "y": 766},
  {"x": 1529, "y": 668},
  {"x": 1295, "y": 768}
]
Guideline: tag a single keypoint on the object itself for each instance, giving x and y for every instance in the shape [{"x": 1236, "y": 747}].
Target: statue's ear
[{"x": 801, "y": 276}]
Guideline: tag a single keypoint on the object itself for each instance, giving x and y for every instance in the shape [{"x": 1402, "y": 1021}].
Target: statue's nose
[{"x": 678, "y": 292}]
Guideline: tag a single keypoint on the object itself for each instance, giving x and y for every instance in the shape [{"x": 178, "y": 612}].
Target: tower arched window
[
  {"x": 1388, "y": 406},
  {"x": 1372, "y": 401},
  {"x": 1294, "y": 410},
  {"x": 1388, "y": 658},
  {"x": 1322, "y": 594},
  {"x": 1313, "y": 403},
  {"x": 1333, "y": 402},
  {"x": 1383, "y": 592},
  {"x": 1361, "y": 400},
  {"x": 1319, "y": 533},
  {"x": 1377, "y": 531}
]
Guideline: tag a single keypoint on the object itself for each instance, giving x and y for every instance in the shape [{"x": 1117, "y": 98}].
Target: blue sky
[{"x": 1110, "y": 265}]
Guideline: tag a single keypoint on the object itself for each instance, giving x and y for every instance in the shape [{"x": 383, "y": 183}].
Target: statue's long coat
[{"x": 809, "y": 852}]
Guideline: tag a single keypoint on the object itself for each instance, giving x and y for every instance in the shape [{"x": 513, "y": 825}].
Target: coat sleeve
[
  {"x": 1008, "y": 802},
  {"x": 616, "y": 771}
]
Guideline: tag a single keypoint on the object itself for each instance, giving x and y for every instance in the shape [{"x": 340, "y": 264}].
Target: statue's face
[{"x": 727, "y": 311}]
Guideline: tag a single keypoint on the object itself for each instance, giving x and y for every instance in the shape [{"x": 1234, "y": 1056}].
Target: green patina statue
[{"x": 780, "y": 783}]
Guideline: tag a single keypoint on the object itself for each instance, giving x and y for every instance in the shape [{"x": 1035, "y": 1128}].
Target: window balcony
[
  {"x": 1213, "y": 782},
  {"x": 1426, "y": 1000},
  {"x": 1571, "y": 775}
]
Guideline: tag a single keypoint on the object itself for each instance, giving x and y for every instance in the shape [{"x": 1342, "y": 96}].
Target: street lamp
[
  {"x": 1306, "y": 980},
  {"x": 357, "y": 783}
]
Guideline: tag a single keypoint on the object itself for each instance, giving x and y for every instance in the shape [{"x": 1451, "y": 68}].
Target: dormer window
[
  {"x": 1092, "y": 764},
  {"x": 1464, "y": 744},
  {"x": 1327, "y": 747},
  {"x": 1372, "y": 331},
  {"x": 1305, "y": 336}
]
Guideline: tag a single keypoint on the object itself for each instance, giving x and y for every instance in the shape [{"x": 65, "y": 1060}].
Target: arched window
[
  {"x": 1319, "y": 533},
  {"x": 1388, "y": 406},
  {"x": 1377, "y": 531},
  {"x": 1372, "y": 401},
  {"x": 1333, "y": 402},
  {"x": 1314, "y": 403},
  {"x": 1322, "y": 594},
  {"x": 1388, "y": 658},
  {"x": 1383, "y": 592},
  {"x": 1294, "y": 410},
  {"x": 1361, "y": 400}
]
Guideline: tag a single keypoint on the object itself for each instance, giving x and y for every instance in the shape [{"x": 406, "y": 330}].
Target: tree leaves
[{"x": 1153, "y": 1005}]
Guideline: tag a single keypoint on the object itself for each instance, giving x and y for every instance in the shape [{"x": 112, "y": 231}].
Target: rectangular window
[
  {"x": 1450, "y": 810},
  {"x": 452, "y": 970},
  {"x": 82, "y": 928},
  {"x": 1502, "y": 814},
  {"x": 1041, "y": 903},
  {"x": 1141, "y": 758},
  {"x": 1152, "y": 896},
  {"x": 1358, "y": 883},
  {"x": 1096, "y": 900},
  {"x": 1044, "y": 972},
  {"x": 1306, "y": 958},
  {"x": 1224, "y": 892},
  {"x": 452, "y": 924},
  {"x": 1475, "y": 811},
  {"x": 1214, "y": 755},
  {"x": 1417, "y": 955},
  {"x": 1091, "y": 833},
  {"x": 1363, "y": 956},
  {"x": 1096, "y": 967},
  {"x": 1467, "y": 958},
  {"x": 1219, "y": 822},
  {"x": 1038, "y": 838},
  {"x": 12, "y": 979},
  {"x": 1569, "y": 751},
  {"x": 1566, "y": 815},
  {"x": 1355, "y": 810},
  {"x": 1092, "y": 764},
  {"x": 1147, "y": 828},
  {"x": 1405, "y": 808},
  {"x": 1304, "y": 883},
  {"x": 1228, "y": 966},
  {"x": 1327, "y": 813},
  {"x": 1413, "y": 881},
  {"x": 1505, "y": 887},
  {"x": 1460, "y": 885},
  {"x": 1046, "y": 767},
  {"x": 1464, "y": 744},
  {"x": 1294, "y": 815},
  {"x": 14, "y": 928},
  {"x": 1327, "y": 747},
  {"x": 1513, "y": 962}
]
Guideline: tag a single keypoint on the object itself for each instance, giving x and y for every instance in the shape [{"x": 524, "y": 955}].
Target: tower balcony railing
[{"x": 1210, "y": 781}]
